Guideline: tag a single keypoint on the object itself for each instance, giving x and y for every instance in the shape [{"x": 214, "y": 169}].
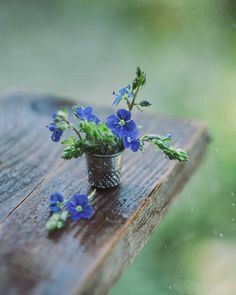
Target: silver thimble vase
[{"x": 104, "y": 171}]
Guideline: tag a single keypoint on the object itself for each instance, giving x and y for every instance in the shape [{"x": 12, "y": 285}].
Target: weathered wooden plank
[
  {"x": 26, "y": 152},
  {"x": 87, "y": 258}
]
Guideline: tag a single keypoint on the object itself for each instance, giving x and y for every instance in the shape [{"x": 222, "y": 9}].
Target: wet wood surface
[{"x": 89, "y": 256}]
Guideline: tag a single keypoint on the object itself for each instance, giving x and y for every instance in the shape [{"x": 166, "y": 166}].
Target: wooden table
[{"x": 88, "y": 257}]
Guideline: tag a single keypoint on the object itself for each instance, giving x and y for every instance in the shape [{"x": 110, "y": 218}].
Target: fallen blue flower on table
[
  {"x": 86, "y": 114},
  {"x": 79, "y": 207},
  {"x": 121, "y": 124},
  {"x": 56, "y": 201}
]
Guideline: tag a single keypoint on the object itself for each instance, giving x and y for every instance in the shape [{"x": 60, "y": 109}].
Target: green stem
[
  {"x": 133, "y": 100},
  {"x": 128, "y": 103},
  {"x": 92, "y": 195},
  {"x": 77, "y": 132},
  {"x": 74, "y": 129}
]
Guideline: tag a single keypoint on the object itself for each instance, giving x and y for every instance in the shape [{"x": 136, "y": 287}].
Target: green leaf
[
  {"x": 75, "y": 149},
  {"x": 65, "y": 141},
  {"x": 72, "y": 140}
]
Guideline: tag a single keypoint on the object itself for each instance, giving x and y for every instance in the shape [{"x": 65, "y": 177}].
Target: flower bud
[{"x": 145, "y": 103}]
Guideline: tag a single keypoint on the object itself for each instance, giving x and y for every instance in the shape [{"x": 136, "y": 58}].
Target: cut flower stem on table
[{"x": 76, "y": 208}]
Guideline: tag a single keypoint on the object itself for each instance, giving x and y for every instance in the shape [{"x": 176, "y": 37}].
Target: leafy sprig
[{"x": 162, "y": 143}]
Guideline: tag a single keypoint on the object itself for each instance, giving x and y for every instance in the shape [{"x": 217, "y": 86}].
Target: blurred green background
[{"x": 87, "y": 49}]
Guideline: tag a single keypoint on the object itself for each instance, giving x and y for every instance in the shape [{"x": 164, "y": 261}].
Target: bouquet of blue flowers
[{"x": 119, "y": 132}]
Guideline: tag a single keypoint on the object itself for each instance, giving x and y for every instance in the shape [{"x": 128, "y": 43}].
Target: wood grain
[{"x": 87, "y": 257}]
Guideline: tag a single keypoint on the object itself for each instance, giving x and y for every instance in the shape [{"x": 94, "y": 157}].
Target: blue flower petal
[
  {"x": 71, "y": 207},
  {"x": 59, "y": 197},
  {"x": 56, "y": 198},
  {"x": 125, "y": 90},
  {"x": 93, "y": 118},
  {"x": 135, "y": 133},
  {"x": 117, "y": 100},
  {"x": 123, "y": 114},
  {"x": 129, "y": 127},
  {"x": 135, "y": 144},
  {"x": 86, "y": 114},
  {"x": 119, "y": 131},
  {"x": 53, "y": 199},
  {"x": 126, "y": 141},
  {"x": 56, "y": 135},
  {"x": 88, "y": 111},
  {"x": 128, "y": 87},
  {"x": 80, "y": 200},
  {"x": 54, "y": 208},
  {"x": 122, "y": 92},
  {"x": 87, "y": 212},
  {"x": 80, "y": 112},
  {"x": 50, "y": 208},
  {"x": 112, "y": 122},
  {"x": 52, "y": 127},
  {"x": 75, "y": 216},
  {"x": 75, "y": 199}
]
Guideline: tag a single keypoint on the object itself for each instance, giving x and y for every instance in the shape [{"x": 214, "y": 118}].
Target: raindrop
[
  {"x": 170, "y": 287},
  {"x": 217, "y": 150},
  {"x": 221, "y": 235},
  {"x": 232, "y": 194},
  {"x": 233, "y": 204},
  {"x": 232, "y": 219}
]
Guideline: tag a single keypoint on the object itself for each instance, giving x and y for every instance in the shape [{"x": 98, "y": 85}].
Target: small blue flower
[
  {"x": 79, "y": 207},
  {"x": 56, "y": 200},
  {"x": 86, "y": 114},
  {"x": 123, "y": 92},
  {"x": 56, "y": 133},
  {"x": 132, "y": 141},
  {"x": 121, "y": 125}
]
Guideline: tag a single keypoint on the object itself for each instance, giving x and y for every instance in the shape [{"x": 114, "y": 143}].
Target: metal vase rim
[{"x": 105, "y": 156}]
